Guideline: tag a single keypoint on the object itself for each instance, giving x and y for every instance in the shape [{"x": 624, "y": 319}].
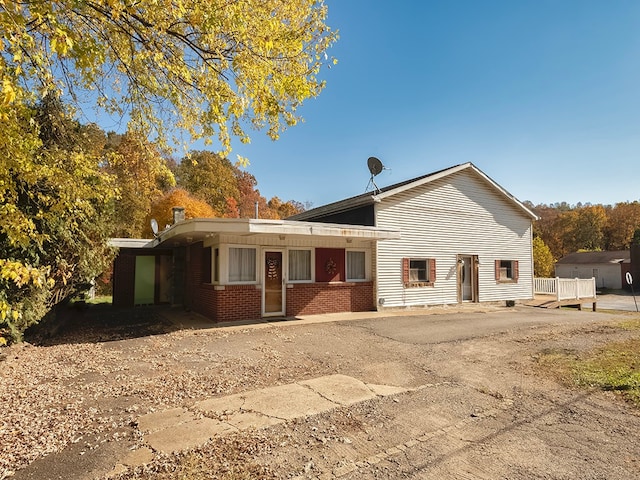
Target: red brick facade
[
  {"x": 315, "y": 298},
  {"x": 220, "y": 303},
  {"x": 224, "y": 303},
  {"x": 123, "y": 279},
  {"x": 237, "y": 302}
]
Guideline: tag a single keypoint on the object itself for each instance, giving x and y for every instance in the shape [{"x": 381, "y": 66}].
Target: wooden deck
[{"x": 550, "y": 301}]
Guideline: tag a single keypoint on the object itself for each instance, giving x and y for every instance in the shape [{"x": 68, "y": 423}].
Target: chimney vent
[{"x": 178, "y": 214}]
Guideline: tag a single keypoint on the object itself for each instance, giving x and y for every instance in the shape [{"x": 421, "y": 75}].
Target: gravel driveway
[{"x": 477, "y": 405}]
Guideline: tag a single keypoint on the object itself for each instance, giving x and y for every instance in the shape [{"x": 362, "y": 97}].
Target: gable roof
[
  {"x": 583, "y": 258},
  {"x": 370, "y": 198}
]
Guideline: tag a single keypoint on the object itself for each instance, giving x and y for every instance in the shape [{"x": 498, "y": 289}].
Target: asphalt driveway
[
  {"x": 619, "y": 301},
  {"x": 439, "y": 395}
]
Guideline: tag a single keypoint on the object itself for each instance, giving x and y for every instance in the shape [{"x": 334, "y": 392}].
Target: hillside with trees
[{"x": 564, "y": 228}]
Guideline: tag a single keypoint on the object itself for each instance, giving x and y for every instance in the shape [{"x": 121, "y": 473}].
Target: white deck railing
[{"x": 566, "y": 288}]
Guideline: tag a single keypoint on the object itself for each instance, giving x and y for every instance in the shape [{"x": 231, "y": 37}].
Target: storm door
[
  {"x": 467, "y": 273},
  {"x": 273, "y": 284}
]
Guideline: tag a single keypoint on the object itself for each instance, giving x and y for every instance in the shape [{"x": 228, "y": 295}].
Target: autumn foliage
[
  {"x": 162, "y": 209},
  {"x": 566, "y": 229},
  {"x": 211, "y": 68}
]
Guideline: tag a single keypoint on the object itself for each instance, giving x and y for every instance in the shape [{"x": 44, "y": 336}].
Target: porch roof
[{"x": 197, "y": 229}]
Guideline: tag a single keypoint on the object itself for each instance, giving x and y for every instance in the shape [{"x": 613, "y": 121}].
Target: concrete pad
[
  {"x": 340, "y": 389},
  {"x": 287, "y": 402},
  {"x": 232, "y": 403},
  {"x": 153, "y": 422},
  {"x": 385, "y": 390},
  {"x": 246, "y": 420},
  {"x": 138, "y": 457},
  {"x": 187, "y": 435}
]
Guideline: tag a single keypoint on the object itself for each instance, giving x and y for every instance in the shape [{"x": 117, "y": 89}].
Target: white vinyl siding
[{"x": 460, "y": 214}]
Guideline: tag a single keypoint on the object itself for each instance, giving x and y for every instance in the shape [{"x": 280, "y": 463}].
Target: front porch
[{"x": 558, "y": 292}]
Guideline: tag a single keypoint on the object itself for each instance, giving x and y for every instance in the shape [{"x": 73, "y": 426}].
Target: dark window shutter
[
  {"x": 405, "y": 270},
  {"x": 497, "y": 270},
  {"x": 515, "y": 270},
  {"x": 432, "y": 270}
]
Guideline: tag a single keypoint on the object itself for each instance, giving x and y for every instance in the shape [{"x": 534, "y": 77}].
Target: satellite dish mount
[{"x": 375, "y": 167}]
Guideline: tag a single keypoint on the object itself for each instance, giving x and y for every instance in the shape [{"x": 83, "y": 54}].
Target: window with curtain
[
  {"x": 356, "y": 265},
  {"x": 242, "y": 264},
  {"x": 299, "y": 265}
]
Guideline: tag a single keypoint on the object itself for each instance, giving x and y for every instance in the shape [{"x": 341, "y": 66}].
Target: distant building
[{"x": 608, "y": 268}]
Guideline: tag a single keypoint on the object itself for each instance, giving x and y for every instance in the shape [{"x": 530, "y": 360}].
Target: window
[
  {"x": 506, "y": 270},
  {"x": 418, "y": 272},
  {"x": 242, "y": 264},
  {"x": 299, "y": 265},
  {"x": 356, "y": 266}
]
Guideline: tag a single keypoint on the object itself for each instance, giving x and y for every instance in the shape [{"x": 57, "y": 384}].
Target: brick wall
[
  {"x": 198, "y": 296},
  {"x": 124, "y": 271},
  {"x": 244, "y": 302},
  {"x": 238, "y": 302},
  {"x": 316, "y": 298},
  {"x": 222, "y": 304}
]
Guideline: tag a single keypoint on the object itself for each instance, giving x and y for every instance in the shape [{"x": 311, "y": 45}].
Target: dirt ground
[{"x": 481, "y": 407}]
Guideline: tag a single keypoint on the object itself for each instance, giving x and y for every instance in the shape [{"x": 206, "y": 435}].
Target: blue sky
[{"x": 543, "y": 96}]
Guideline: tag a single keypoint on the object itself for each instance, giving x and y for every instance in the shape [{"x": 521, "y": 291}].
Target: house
[
  {"x": 448, "y": 237},
  {"x": 237, "y": 269},
  {"x": 463, "y": 238},
  {"x": 608, "y": 268}
]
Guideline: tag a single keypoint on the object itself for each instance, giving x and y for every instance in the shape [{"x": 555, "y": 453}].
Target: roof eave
[{"x": 197, "y": 229}]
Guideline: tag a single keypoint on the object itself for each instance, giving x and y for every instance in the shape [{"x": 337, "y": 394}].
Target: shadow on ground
[{"x": 84, "y": 323}]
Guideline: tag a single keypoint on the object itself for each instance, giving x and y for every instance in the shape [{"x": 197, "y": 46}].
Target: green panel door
[{"x": 145, "y": 280}]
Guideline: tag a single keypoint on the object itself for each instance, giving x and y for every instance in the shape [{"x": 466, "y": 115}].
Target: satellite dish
[
  {"x": 154, "y": 226},
  {"x": 375, "y": 166}
]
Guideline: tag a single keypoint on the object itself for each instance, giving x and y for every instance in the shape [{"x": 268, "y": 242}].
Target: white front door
[
  {"x": 467, "y": 278},
  {"x": 273, "y": 291}
]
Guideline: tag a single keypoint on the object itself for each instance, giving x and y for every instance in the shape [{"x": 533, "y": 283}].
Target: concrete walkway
[
  {"x": 180, "y": 429},
  {"x": 191, "y": 320}
]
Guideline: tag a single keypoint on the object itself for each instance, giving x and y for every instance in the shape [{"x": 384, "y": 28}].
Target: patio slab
[
  {"x": 287, "y": 402},
  {"x": 187, "y": 435},
  {"x": 340, "y": 389}
]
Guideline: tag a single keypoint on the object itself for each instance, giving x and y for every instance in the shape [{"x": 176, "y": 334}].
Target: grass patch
[
  {"x": 100, "y": 300},
  {"x": 614, "y": 367},
  {"x": 631, "y": 324}
]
